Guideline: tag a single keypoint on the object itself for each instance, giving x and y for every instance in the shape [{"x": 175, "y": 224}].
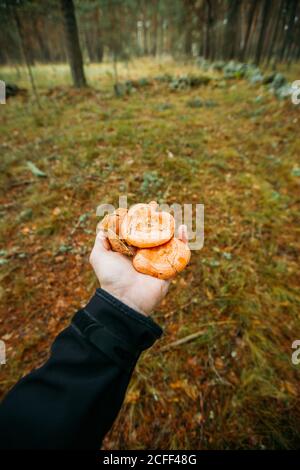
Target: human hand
[{"x": 117, "y": 276}]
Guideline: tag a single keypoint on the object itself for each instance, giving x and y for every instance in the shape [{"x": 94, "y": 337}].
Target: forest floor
[{"x": 234, "y": 385}]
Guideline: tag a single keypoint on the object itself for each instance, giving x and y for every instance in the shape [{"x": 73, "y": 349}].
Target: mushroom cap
[
  {"x": 111, "y": 225},
  {"x": 163, "y": 261},
  {"x": 112, "y": 221},
  {"x": 144, "y": 227}
]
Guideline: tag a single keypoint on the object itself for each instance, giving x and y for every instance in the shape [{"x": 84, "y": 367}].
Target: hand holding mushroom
[{"x": 148, "y": 236}]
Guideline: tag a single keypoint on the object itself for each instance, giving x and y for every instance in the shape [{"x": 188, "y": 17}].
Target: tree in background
[
  {"x": 11, "y": 12},
  {"x": 264, "y": 32},
  {"x": 249, "y": 22},
  {"x": 72, "y": 43},
  {"x": 232, "y": 29},
  {"x": 89, "y": 16}
]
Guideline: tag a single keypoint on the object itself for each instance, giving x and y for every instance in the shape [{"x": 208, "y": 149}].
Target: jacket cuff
[{"x": 116, "y": 329}]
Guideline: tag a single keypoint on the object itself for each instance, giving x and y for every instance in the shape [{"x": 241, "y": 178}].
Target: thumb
[
  {"x": 183, "y": 233},
  {"x": 101, "y": 246},
  {"x": 101, "y": 242}
]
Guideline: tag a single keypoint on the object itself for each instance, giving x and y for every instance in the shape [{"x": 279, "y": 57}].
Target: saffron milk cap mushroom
[{"x": 143, "y": 226}]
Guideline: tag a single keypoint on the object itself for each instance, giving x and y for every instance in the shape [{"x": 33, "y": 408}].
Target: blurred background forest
[
  {"x": 179, "y": 101},
  {"x": 245, "y": 30}
]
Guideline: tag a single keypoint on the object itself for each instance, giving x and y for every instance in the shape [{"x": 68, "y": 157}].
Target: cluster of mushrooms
[{"x": 147, "y": 235}]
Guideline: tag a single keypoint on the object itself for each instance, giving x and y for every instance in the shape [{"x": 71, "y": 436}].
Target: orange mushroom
[
  {"x": 163, "y": 261},
  {"x": 111, "y": 225},
  {"x": 144, "y": 227},
  {"x": 119, "y": 245},
  {"x": 148, "y": 236},
  {"x": 113, "y": 221}
]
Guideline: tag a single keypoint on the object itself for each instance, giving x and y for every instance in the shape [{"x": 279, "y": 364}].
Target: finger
[
  {"x": 153, "y": 204},
  {"x": 99, "y": 227},
  {"x": 101, "y": 242},
  {"x": 183, "y": 233}
]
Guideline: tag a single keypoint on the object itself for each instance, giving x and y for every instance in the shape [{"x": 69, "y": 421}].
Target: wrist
[{"x": 125, "y": 299}]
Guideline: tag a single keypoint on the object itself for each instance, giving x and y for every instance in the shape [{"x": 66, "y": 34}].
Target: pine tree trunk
[
  {"x": 145, "y": 28},
  {"x": 275, "y": 33},
  {"x": 42, "y": 41},
  {"x": 209, "y": 22},
  {"x": 25, "y": 54},
  {"x": 290, "y": 30},
  {"x": 231, "y": 32},
  {"x": 188, "y": 41},
  {"x": 99, "y": 41},
  {"x": 249, "y": 25},
  {"x": 72, "y": 43},
  {"x": 154, "y": 29},
  {"x": 262, "y": 32}
]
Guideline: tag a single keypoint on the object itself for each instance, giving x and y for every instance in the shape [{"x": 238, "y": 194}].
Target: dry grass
[{"x": 234, "y": 385}]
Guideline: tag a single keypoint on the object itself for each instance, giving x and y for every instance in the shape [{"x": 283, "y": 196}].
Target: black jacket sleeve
[{"x": 73, "y": 399}]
